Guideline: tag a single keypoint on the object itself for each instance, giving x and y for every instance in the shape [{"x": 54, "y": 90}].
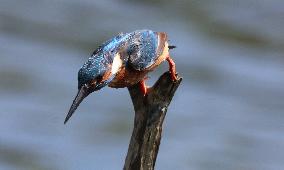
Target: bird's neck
[{"x": 116, "y": 64}]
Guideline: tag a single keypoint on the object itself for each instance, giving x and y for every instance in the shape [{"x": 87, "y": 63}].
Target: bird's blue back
[{"x": 139, "y": 49}]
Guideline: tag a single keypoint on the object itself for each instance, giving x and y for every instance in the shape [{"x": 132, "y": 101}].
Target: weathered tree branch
[{"x": 150, "y": 112}]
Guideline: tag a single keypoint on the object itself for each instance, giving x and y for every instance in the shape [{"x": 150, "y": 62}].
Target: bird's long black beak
[{"x": 83, "y": 92}]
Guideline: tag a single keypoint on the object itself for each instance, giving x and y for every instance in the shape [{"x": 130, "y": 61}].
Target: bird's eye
[{"x": 99, "y": 78}]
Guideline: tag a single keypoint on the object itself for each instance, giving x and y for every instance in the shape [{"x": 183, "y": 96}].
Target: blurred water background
[{"x": 227, "y": 114}]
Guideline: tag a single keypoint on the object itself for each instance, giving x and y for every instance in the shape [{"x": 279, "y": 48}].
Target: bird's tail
[{"x": 172, "y": 47}]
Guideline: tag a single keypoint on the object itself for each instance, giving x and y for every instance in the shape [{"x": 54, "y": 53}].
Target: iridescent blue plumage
[
  {"x": 140, "y": 47},
  {"x": 95, "y": 67},
  {"x": 142, "y": 50}
]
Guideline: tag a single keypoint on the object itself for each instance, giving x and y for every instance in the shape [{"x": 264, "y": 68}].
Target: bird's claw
[
  {"x": 172, "y": 68},
  {"x": 143, "y": 87}
]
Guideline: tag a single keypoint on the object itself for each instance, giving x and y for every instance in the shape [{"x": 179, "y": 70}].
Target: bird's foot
[
  {"x": 143, "y": 86},
  {"x": 172, "y": 68}
]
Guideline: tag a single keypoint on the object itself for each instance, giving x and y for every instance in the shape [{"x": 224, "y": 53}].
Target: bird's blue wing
[{"x": 144, "y": 49}]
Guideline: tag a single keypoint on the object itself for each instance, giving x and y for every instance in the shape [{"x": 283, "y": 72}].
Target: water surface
[{"x": 227, "y": 114}]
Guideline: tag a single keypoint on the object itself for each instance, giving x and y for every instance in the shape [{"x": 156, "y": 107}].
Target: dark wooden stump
[{"x": 150, "y": 112}]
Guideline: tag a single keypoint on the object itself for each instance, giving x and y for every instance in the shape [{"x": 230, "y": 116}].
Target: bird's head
[{"x": 96, "y": 73}]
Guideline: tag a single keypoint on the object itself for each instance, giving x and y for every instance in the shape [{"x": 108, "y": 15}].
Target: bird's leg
[
  {"x": 143, "y": 86},
  {"x": 172, "y": 66}
]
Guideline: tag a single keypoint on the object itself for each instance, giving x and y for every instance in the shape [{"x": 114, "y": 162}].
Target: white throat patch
[{"x": 116, "y": 64}]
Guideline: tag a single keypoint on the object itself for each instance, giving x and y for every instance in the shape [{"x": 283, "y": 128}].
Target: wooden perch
[{"x": 150, "y": 112}]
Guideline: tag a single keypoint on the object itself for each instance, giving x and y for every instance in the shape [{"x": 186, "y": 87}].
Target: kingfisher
[{"x": 123, "y": 61}]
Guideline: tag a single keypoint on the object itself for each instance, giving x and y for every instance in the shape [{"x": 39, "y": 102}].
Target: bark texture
[{"x": 150, "y": 111}]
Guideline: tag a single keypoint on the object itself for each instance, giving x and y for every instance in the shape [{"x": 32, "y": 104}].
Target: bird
[{"x": 123, "y": 61}]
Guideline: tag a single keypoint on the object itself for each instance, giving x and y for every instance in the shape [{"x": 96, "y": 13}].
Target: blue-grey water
[{"x": 227, "y": 114}]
